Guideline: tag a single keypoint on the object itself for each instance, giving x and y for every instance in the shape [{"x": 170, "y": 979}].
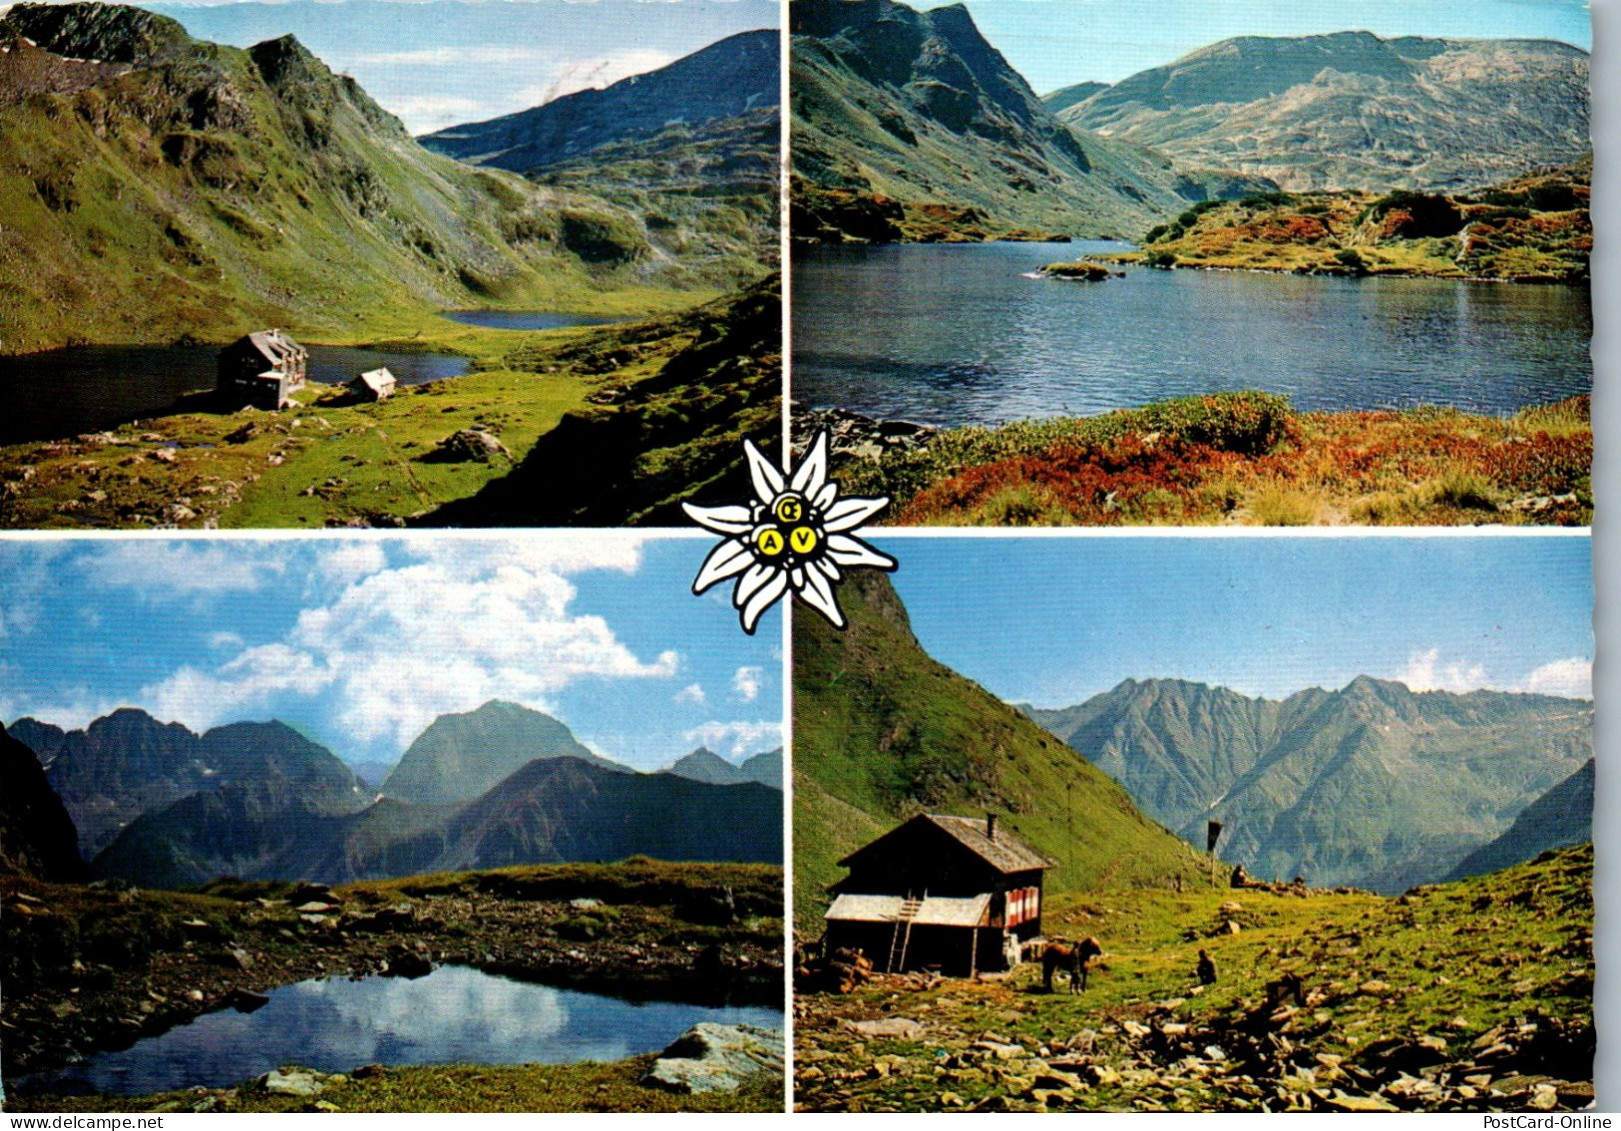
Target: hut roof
[
  {"x": 377, "y": 380},
  {"x": 1004, "y": 852},
  {"x": 275, "y": 346},
  {"x": 934, "y": 910}
]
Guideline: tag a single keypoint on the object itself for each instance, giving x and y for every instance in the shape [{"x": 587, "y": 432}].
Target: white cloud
[
  {"x": 427, "y": 113},
  {"x": 1571, "y": 678},
  {"x": 746, "y": 683},
  {"x": 477, "y": 54},
  {"x": 692, "y": 693},
  {"x": 179, "y": 569},
  {"x": 736, "y": 738},
  {"x": 350, "y": 561},
  {"x": 593, "y": 74},
  {"x": 223, "y": 641},
  {"x": 1425, "y": 671},
  {"x": 251, "y": 680},
  {"x": 466, "y": 620},
  {"x": 74, "y": 709}
]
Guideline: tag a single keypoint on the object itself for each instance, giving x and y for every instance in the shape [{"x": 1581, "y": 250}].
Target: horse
[{"x": 1072, "y": 957}]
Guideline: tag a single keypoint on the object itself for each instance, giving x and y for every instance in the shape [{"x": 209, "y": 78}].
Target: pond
[
  {"x": 454, "y": 1015},
  {"x": 955, "y": 334},
  {"x": 526, "y": 319},
  {"x": 89, "y": 388}
]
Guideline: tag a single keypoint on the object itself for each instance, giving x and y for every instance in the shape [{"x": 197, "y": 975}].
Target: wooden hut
[
  {"x": 955, "y": 893},
  {"x": 262, "y": 369},
  {"x": 374, "y": 385}
]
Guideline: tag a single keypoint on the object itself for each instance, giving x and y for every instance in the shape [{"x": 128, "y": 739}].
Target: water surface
[
  {"x": 89, "y": 388},
  {"x": 955, "y": 334},
  {"x": 455, "y": 1015}
]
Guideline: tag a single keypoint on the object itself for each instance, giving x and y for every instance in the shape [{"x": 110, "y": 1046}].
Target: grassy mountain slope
[
  {"x": 883, "y": 732},
  {"x": 458, "y": 757},
  {"x": 1533, "y": 228},
  {"x": 910, "y": 125},
  {"x": 1560, "y": 817},
  {"x": 671, "y": 404},
  {"x": 1352, "y": 110},
  {"x": 232, "y": 188},
  {"x": 1372, "y": 785},
  {"x": 1466, "y": 997}
]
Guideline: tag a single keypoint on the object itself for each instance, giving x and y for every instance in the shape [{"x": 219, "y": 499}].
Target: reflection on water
[
  {"x": 65, "y": 392},
  {"x": 954, "y": 334},
  {"x": 453, "y": 1015}
]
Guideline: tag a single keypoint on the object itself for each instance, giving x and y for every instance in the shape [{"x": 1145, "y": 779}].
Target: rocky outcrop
[
  {"x": 717, "y": 1058},
  {"x": 854, "y": 436},
  {"x": 37, "y": 837}
]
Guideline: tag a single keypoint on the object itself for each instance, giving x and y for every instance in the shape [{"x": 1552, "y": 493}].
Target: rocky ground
[
  {"x": 1467, "y": 997},
  {"x": 88, "y": 969}
]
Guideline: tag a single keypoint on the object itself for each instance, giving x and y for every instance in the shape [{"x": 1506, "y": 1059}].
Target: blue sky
[
  {"x": 362, "y": 642},
  {"x": 446, "y": 62},
  {"x": 1054, "y": 43},
  {"x": 1054, "y": 621}
]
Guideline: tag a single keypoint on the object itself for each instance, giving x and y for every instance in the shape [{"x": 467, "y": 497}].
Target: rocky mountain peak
[{"x": 107, "y": 33}]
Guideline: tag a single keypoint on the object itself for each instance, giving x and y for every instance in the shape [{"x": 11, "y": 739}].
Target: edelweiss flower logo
[{"x": 796, "y": 533}]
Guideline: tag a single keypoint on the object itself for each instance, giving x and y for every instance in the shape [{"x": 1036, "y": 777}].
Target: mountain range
[
  {"x": 128, "y": 763},
  {"x": 909, "y": 124},
  {"x": 459, "y": 757},
  {"x": 1372, "y": 785},
  {"x": 883, "y": 732},
  {"x": 1562, "y": 816},
  {"x": 1351, "y": 110},
  {"x": 691, "y": 148},
  {"x": 704, "y": 765},
  {"x": 727, "y": 79},
  {"x": 161, "y": 806}
]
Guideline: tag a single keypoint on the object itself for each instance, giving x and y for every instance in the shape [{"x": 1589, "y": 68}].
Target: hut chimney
[{"x": 990, "y": 826}]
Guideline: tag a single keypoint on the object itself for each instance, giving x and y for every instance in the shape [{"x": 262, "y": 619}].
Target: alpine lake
[
  {"x": 959, "y": 334},
  {"x": 453, "y": 1015},
  {"x": 66, "y": 392}
]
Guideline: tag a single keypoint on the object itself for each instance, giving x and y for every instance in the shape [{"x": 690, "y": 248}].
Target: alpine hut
[
  {"x": 953, "y": 892},
  {"x": 373, "y": 385},
  {"x": 262, "y": 369}
]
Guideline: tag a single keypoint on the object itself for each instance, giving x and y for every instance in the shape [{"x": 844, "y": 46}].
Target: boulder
[
  {"x": 903, "y": 1028},
  {"x": 471, "y": 444},
  {"x": 291, "y": 1083},
  {"x": 716, "y": 1058}
]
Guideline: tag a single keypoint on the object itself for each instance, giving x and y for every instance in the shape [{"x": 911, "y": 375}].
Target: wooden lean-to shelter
[
  {"x": 262, "y": 369},
  {"x": 955, "y": 893}
]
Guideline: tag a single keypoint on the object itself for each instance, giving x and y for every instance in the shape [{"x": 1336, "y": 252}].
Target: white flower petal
[
  {"x": 750, "y": 582},
  {"x": 848, "y": 551},
  {"x": 847, "y": 514},
  {"x": 764, "y": 599},
  {"x": 829, "y": 570},
  {"x": 824, "y": 498},
  {"x": 796, "y": 577},
  {"x": 811, "y": 475},
  {"x": 722, "y": 520},
  {"x": 818, "y": 594},
  {"x": 767, "y": 479},
  {"x": 727, "y": 558}
]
